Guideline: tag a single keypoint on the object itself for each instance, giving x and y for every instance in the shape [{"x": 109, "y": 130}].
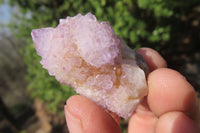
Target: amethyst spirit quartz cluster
[{"x": 88, "y": 56}]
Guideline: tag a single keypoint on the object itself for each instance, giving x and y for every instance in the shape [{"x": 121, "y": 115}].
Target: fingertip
[
  {"x": 88, "y": 116},
  {"x": 74, "y": 123},
  {"x": 176, "y": 122},
  {"x": 169, "y": 91},
  {"x": 153, "y": 59}
]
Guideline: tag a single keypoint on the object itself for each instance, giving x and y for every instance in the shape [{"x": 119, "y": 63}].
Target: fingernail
[{"x": 74, "y": 124}]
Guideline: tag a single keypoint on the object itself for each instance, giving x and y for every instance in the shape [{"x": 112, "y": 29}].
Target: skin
[{"x": 167, "y": 108}]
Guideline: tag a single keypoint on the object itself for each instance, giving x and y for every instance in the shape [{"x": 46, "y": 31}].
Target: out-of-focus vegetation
[{"x": 138, "y": 22}]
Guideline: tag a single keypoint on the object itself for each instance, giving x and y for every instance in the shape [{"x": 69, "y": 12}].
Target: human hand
[{"x": 168, "y": 108}]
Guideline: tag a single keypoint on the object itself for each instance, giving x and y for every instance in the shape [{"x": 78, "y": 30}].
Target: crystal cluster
[{"x": 87, "y": 55}]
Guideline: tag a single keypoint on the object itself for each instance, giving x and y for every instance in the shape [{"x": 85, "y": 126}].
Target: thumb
[{"x": 84, "y": 116}]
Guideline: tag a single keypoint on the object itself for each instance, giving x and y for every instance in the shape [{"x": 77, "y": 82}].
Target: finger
[
  {"x": 142, "y": 120},
  {"x": 169, "y": 91},
  {"x": 176, "y": 122},
  {"x": 83, "y": 115},
  {"x": 153, "y": 59},
  {"x": 114, "y": 116}
]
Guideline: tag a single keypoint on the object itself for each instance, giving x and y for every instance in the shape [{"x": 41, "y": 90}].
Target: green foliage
[
  {"x": 136, "y": 21},
  {"x": 22, "y": 131}
]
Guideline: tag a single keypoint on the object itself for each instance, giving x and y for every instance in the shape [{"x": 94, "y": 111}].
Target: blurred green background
[{"x": 31, "y": 99}]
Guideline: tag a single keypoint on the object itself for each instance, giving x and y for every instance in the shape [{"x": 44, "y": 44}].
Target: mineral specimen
[{"x": 87, "y": 55}]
